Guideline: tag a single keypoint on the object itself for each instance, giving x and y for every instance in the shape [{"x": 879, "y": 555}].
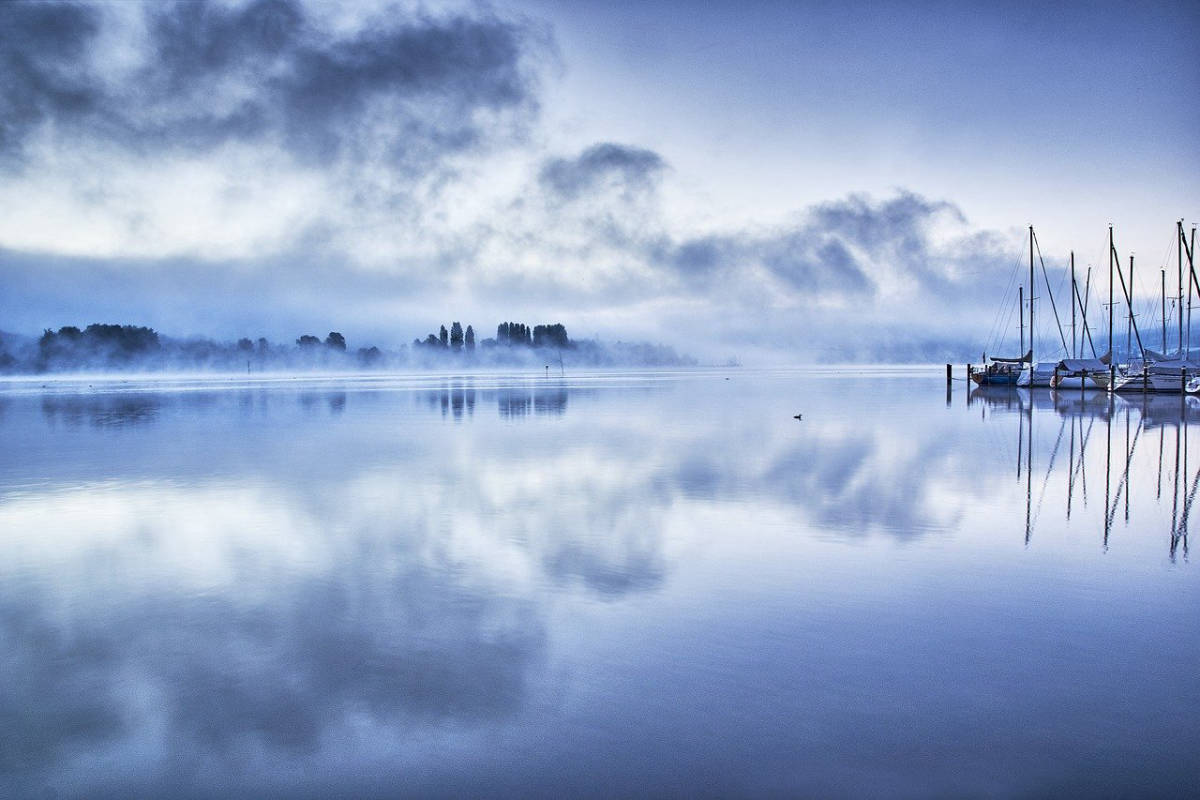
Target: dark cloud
[
  {"x": 834, "y": 250},
  {"x": 815, "y": 263},
  {"x": 881, "y": 225},
  {"x": 41, "y": 49},
  {"x": 840, "y": 248},
  {"x": 699, "y": 256},
  {"x": 605, "y": 164},
  {"x": 407, "y": 87}
]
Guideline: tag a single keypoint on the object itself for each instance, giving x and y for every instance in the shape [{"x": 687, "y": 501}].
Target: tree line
[
  {"x": 136, "y": 348},
  {"x": 508, "y": 334}
]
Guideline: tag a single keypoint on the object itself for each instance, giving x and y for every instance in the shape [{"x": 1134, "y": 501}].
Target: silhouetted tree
[
  {"x": 96, "y": 345},
  {"x": 470, "y": 336},
  {"x": 122, "y": 339},
  {"x": 263, "y": 346},
  {"x": 443, "y": 336},
  {"x": 433, "y": 341},
  {"x": 369, "y": 355},
  {"x": 335, "y": 341},
  {"x": 456, "y": 336},
  {"x": 550, "y": 336},
  {"x": 245, "y": 345},
  {"x": 307, "y": 342}
]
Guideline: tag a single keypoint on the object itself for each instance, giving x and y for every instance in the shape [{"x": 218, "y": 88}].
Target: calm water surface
[{"x": 645, "y": 583}]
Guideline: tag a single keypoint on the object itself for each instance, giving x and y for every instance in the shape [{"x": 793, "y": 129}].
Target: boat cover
[
  {"x": 1172, "y": 367},
  {"x": 1027, "y": 357},
  {"x": 1074, "y": 365}
]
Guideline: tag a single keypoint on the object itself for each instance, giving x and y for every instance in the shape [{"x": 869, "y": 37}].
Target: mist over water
[{"x": 640, "y": 582}]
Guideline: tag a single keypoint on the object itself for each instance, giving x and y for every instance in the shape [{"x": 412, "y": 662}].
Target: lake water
[{"x": 607, "y": 584}]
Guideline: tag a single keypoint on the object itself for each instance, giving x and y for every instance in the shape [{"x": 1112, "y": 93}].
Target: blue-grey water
[{"x": 609, "y": 584}]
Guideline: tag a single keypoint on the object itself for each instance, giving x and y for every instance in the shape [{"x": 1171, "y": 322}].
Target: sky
[{"x": 768, "y": 181}]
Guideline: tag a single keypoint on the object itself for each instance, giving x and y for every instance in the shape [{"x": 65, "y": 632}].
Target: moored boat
[
  {"x": 1081, "y": 373},
  {"x": 1002, "y": 371},
  {"x": 1166, "y": 376}
]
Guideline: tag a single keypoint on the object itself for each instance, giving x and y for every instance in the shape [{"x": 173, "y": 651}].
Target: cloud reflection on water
[{"x": 248, "y": 579}]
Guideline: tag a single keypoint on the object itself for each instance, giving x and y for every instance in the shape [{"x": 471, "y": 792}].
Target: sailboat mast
[
  {"x": 1191, "y": 268},
  {"x": 1074, "y": 353},
  {"x": 1031, "y": 360},
  {"x": 1112, "y": 370},
  {"x": 1126, "y": 292},
  {"x": 1129, "y": 309},
  {"x": 1082, "y": 301},
  {"x": 1021, "y": 315},
  {"x": 1164, "y": 310},
  {"x": 1179, "y": 307}
]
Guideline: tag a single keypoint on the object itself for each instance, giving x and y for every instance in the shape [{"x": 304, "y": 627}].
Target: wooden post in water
[{"x": 949, "y": 373}]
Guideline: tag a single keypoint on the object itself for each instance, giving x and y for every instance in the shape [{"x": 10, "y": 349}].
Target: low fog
[{"x": 132, "y": 348}]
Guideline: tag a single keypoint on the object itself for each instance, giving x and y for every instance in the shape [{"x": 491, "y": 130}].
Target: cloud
[
  {"x": 271, "y": 166},
  {"x": 42, "y": 42},
  {"x": 220, "y": 131},
  {"x": 841, "y": 248},
  {"x": 603, "y": 165},
  {"x": 405, "y": 87}
]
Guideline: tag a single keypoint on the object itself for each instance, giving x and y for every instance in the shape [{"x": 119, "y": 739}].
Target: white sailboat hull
[
  {"x": 1039, "y": 377},
  {"x": 1162, "y": 384}
]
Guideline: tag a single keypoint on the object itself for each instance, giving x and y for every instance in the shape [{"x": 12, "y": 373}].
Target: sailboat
[
  {"x": 1041, "y": 375},
  {"x": 1081, "y": 373},
  {"x": 1157, "y": 372},
  {"x": 1001, "y": 371},
  {"x": 1076, "y": 372}
]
